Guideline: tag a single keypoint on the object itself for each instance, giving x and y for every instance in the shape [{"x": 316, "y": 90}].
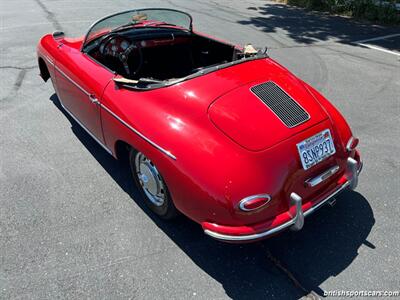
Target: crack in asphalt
[
  {"x": 323, "y": 72},
  {"x": 17, "y": 67},
  {"x": 18, "y": 81},
  {"x": 50, "y": 16},
  {"x": 20, "y": 78},
  {"x": 308, "y": 294}
]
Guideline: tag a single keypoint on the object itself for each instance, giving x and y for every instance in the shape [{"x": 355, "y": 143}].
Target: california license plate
[{"x": 316, "y": 148}]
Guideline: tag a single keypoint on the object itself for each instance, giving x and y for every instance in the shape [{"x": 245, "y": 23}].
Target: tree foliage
[{"x": 373, "y": 10}]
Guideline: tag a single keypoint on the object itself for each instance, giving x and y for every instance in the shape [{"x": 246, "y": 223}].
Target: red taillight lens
[
  {"x": 254, "y": 202},
  {"x": 352, "y": 144}
]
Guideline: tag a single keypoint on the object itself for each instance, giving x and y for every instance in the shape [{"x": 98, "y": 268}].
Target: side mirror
[{"x": 58, "y": 35}]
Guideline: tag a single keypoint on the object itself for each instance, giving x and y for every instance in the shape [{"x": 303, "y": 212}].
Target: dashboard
[{"x": 115, "y": 46}]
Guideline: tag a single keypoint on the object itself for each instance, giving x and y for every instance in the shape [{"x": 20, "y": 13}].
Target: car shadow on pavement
[
  {"x": 325, "y": 247},
  {"x": 312, "y": 27}
]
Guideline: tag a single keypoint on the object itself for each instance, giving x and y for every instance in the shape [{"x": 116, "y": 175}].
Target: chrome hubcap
[{"x": 150, "y": 179}]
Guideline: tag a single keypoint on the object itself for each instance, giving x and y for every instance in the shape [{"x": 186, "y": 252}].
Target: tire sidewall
[{"x": 167, "y": 210}]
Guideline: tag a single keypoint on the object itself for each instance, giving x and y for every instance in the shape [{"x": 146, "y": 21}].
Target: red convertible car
[{"x": 223, "y": 134}]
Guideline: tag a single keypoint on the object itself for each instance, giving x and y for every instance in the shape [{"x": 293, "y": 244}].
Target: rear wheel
[{"x": 151, "y": 185}]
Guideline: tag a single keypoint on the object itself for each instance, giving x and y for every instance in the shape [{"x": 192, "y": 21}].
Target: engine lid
[{"x": 261, "y": 114}]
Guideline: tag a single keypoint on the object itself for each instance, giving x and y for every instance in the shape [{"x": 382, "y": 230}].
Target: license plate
[{"x": 316, "y": 148}]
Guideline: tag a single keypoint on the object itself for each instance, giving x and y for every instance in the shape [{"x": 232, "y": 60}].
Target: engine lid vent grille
[{"x": 286, "y": 109}]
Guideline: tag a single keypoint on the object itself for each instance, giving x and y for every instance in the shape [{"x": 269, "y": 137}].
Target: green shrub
[{"x": 366, "y": 9}]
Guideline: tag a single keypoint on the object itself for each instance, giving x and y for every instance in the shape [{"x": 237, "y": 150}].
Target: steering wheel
[
  {"x": 124, "y": 57},
  {"x": 123, "y": 54}
]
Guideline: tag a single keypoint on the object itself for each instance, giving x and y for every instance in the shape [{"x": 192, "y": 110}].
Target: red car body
[{"x": 214, "y": 142}]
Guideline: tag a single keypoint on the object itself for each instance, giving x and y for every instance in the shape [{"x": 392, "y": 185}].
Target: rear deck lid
[{"x": 261, "y": 114}]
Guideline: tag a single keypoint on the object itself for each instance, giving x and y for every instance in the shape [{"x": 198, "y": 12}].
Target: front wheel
[{"x": 151, "y": 185}]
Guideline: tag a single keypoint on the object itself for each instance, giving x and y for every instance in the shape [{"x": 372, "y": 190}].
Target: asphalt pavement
[{"x": 72, "y": 227}]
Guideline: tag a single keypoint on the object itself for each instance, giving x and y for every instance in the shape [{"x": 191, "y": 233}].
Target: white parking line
[
  {"x": 363, "y": 43},
  {"x": 379, "y": 49},
  {"x": 378, "y": 38}
]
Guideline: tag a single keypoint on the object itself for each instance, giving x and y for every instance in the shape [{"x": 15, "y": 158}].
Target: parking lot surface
[{"x": 71, "y": 226}]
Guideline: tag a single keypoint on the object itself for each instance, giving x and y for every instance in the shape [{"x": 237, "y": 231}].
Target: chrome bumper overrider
[{"x": 296, "y": 211}]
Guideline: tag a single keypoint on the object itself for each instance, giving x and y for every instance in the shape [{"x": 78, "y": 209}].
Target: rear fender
[
  {"x": 338, "y": 121},
  {"x": 47, "y": 56}
]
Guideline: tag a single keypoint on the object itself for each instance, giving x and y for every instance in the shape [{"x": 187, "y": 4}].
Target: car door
[{"x": 80, "y": 84}]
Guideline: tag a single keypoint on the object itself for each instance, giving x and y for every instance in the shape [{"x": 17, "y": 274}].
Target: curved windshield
[{"x": 144, "y": 17}]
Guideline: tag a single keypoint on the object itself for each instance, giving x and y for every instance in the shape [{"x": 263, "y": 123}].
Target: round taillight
[
  {"x": 254, "y": 202},
  {"x": 352, "y": 144}
]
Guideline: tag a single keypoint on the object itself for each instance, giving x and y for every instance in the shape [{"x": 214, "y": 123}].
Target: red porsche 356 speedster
[{"x": 221, "y": 133}]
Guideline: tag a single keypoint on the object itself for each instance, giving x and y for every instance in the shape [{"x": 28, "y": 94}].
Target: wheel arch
[
  {"x": 121, "y": 150},
  {"x": 44, "y": 71}
]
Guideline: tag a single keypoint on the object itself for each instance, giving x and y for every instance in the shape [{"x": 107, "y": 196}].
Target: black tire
[{"x": 165, "y": 210}]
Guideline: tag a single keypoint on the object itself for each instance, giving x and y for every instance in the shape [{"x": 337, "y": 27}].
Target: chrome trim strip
[
  {"x": 296, "y": 209},
  {"x": 72, "y": 81},
  {"x": 83, "y": 126},
  {"x": 166, "y": 152},
  {"x": 48, "y": 60},
  {"x": 309, "y": 117},
  {"x": 95, "y": 101},
  {"x": 322, "y": 177},
  {"x": 244, "y": 200},
  {"x": 207, "y": 70}
]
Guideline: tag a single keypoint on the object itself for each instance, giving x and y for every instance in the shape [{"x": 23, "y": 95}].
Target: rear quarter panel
[
  {"x": 211, "y": 173},
  {"x": 200, "y": 178}
]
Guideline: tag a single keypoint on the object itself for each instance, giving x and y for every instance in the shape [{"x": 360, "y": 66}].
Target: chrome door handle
[{"x": 93, "y": 99}]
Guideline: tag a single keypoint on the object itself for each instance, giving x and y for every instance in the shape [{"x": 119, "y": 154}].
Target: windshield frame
[{"x": 85, "y": 40}]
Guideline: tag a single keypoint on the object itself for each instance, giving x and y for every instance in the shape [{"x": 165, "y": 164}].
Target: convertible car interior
[{"x": 164, "y": 53}]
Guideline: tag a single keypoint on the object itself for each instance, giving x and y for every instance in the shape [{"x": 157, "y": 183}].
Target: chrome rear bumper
[{"x": 296, "y": 211}]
